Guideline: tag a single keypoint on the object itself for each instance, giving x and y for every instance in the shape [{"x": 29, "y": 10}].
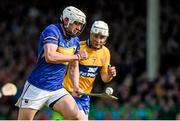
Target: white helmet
[
  {"x": 100, "y": 27},
  {"x": 73, "y": 14}
]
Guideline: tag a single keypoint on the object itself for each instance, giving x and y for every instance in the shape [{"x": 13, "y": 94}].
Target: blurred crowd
[{"x": 21, "y": 22}]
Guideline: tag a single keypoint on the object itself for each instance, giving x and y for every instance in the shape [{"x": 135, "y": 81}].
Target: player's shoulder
[
  {"x": 104, "y": 48},
  {"x": 52, "y": 27},
  {"x": 82, "y": 42},
  {"x": 52, "y": 30}
]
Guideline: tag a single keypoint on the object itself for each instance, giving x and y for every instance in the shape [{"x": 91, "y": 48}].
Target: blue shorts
[{"x": 83, "y": 103}]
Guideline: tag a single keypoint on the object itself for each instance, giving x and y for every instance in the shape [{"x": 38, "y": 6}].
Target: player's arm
[
  {"x": 74, "y": 74},
  {"x": 50, "y": 41},
  {"x": 107, "y": 77},
  {"x": 107, "y": 71},
  {"x": 52, "y": 56}
]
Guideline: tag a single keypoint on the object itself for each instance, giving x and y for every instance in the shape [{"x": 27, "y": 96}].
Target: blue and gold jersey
[
  {"x": 98, "y": 61},
  {"x": 49, "y": 76}
]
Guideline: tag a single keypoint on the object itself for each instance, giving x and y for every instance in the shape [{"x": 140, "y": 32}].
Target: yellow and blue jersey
[
  {"x": 97, "y": 62},
  {"x": 49, "y": 76}
]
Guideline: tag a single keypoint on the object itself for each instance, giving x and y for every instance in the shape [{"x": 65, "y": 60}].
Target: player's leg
[
  {"x": 83, "y": 103},
  {"x": 32, "y": 99},
  {"x": 63, "y": 103},
  {"x": 67, "y": 106},
  {"x": 26, "y": 114}
]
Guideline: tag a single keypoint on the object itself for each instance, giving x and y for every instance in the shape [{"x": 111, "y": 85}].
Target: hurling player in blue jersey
[{"x": 58, "y": 47}]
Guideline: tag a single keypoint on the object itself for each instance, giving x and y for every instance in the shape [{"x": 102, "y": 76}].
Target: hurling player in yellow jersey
[{"x": 98, "y": 61}]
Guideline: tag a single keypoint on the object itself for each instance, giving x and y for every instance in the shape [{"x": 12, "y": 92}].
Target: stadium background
[{"x": 22, "y": 21}]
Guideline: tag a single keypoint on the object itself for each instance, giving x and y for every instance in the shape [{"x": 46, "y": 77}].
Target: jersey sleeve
[
  {"x": 78, "y": 46},
  {"x": 50, "y": 35},
  {"x": 106, "y": 63}
]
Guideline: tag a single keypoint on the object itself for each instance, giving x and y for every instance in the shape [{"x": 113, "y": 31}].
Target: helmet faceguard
[
  {"x": 100, "y": 28},
  {"x": 73, "y": 14}
]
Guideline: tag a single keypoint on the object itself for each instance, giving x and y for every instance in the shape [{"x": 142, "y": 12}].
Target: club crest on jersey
[
  {"x": 61, "y": 44},
  {"x": 26, "y": 101}
]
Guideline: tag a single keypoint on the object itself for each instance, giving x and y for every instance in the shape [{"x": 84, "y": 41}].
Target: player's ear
[{"x": 66, "y": 20}]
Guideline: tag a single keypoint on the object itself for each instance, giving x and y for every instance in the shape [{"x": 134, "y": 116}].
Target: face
[
  {"x": 97, "y": 40},
  {"x": 75, "y": 28}
]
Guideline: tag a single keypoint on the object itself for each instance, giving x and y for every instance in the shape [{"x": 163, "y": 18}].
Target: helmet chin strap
[
  {"x": 89, "y": 43},
  {"x": 69, "y": 34}
]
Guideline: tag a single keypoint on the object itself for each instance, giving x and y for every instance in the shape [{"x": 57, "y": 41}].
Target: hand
[
  {"x": 112, "y": 71},
  {"x": 76, "y": 91},
  {"x": 82, "y": 55}
]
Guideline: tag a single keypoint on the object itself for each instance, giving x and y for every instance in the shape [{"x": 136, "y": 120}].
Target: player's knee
[
  {"x": 26, "y": 114},
  {"x": 72, "y": 115},
  {"x": 76, "y": 115}
]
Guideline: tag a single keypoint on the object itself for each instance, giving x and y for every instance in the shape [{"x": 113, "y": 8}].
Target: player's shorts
[
  {"x": 35, "y": 98},
  {"x": 83, "y": 103}
]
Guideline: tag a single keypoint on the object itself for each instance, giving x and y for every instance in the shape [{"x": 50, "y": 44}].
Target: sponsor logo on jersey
[{"x": 91, "y": 72}]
